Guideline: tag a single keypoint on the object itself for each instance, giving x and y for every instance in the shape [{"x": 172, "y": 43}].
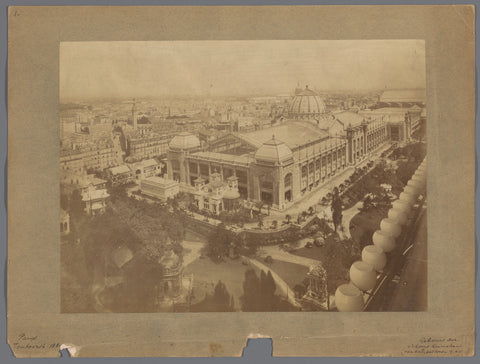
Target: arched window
[{"x": 288, "y": 180}]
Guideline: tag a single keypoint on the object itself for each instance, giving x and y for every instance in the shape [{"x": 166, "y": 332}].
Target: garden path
[
  {"x": 97, "y": 288},
  {"x": 195, "y": 248},
  {"x": 347, "y": 217},
  {"x": 278, "y": 254}
]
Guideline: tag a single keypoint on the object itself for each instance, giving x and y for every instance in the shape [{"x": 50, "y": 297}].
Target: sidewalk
[{"x": 311, "y": 198}]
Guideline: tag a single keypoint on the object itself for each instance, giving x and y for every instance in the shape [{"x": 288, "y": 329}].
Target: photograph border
[{"x": 310, "y": 339}]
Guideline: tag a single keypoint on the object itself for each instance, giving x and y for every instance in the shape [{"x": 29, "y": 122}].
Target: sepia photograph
[
  {"x": 184, "y": 180},
  {"x": 254, "y": 176},
  {"x": 248, "y": 176}
]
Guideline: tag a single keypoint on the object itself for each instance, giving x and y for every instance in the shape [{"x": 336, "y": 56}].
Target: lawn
[
  {"x": 206, "y": 274},
  {"x": 291, "y": 273},
  {"x": 336, "y": 257},
  {"x": 364, "y": 224},
  {"x": 191, "y": 235}
]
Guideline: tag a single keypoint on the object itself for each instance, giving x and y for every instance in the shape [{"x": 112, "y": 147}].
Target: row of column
[
  {"x": 376, "y": 138},
  {"x": 315, "y": 170}
]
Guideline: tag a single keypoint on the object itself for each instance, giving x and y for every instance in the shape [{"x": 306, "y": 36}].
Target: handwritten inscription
[
  {"x": 31, "y": 342},
  {"x": 435, "y": 346}
]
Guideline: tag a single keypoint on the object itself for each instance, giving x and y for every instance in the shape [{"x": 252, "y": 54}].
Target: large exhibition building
[{"x": 278, "y": 164}]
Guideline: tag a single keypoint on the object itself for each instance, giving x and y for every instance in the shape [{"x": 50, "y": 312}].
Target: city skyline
[{"x": 236, "y": 68}]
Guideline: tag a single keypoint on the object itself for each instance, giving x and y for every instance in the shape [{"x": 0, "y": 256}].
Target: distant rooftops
[{"x": 408, "y": 96}]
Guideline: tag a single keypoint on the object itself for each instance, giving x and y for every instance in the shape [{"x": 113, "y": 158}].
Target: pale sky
[{"x": 229, "y": 68}]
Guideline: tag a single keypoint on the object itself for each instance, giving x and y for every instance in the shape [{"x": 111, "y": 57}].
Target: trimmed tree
[{"x": 336, "y": 210}]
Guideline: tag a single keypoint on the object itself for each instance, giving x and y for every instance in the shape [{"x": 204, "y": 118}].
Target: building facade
[
  {"x": 96, "y": 156},
  {"x": 95, "y": 200},
  {"x": 147, "y": 145},
  {"x": 160, "y": 188},
  {"x": 266, "y": 168}
]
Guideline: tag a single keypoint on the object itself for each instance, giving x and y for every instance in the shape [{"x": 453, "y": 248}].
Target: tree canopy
[
  {"x": 219, "y": 301},
  {"x": 259, "y": 294}
]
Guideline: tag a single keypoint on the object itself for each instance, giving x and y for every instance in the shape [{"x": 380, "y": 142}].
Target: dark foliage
[
  {"x": 259, "y": 294},
  {"x": 219, "y": 301},
  {"x": 218, "y": 245}
]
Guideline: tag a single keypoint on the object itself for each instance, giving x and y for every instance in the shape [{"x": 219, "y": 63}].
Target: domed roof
[
  {"x": 307, "y": 103},
  {"x": 184, "y": 140},
  {"x": 216, "y": 184},
  {"x": 231, "y": 194},
  {"x": 274, "y": 151}
]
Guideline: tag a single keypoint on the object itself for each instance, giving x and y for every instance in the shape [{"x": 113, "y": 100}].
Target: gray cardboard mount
[{"x": 33, "y": 193}]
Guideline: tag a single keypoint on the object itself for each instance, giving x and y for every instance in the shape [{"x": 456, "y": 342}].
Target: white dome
[
  {"x": 231, "y": 194},
  {"x": 183, "y": 141},
  {"x": 274, "y": 151},
  {"x": 307, "y": 104}
]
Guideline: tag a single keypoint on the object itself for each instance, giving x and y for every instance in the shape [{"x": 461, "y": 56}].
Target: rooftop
[
  {"x": 184, "y": 140},
  {"x": 387, "y": 110},
  {"x": 349, "y": 118},
  {"x": 120, "y": 169},
  {"x": 293, "y": 134},
  {"x": 221, "y": 157},
  {"x": 160, "y": 181},
  {"x": 307, "y": 102},
  {"x": 149, "y": 162},
  {"x": 274, "y": 151},
  {"x": 216, "y": 184},
  {"x": 93, "y": 194}
]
